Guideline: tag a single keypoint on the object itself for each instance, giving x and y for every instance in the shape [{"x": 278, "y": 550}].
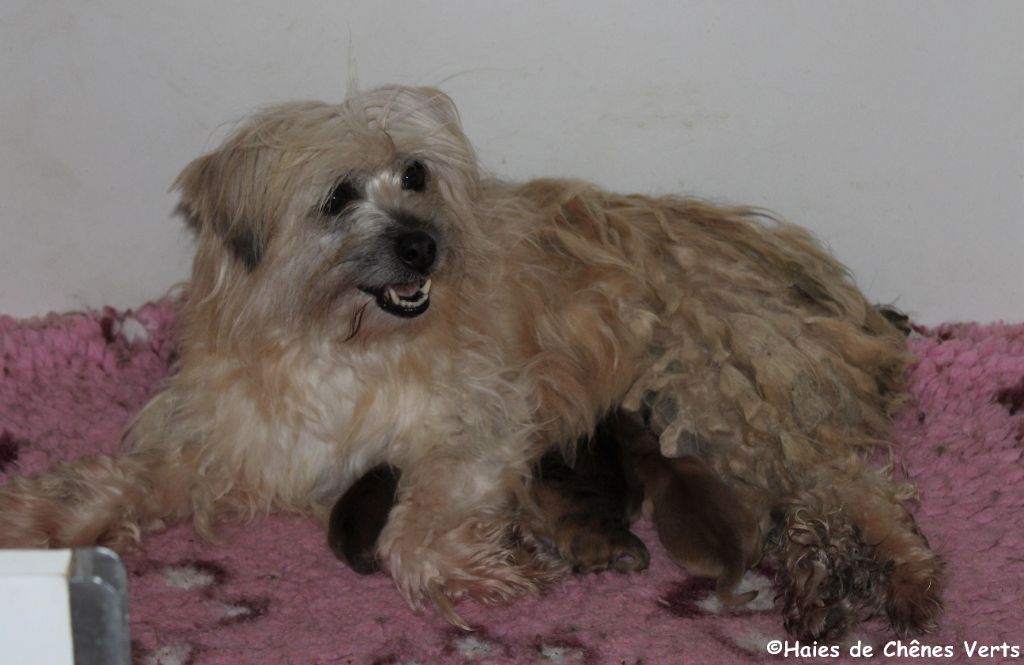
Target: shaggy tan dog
[{"x": 361, "y": 295}]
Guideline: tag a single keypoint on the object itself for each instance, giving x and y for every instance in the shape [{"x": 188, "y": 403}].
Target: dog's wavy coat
[{"x": 361, "y": 295}]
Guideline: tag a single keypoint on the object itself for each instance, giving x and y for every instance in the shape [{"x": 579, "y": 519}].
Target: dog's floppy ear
[{"x": 221, "y": 192}]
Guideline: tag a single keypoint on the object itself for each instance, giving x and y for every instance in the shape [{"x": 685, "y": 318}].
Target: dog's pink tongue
[{"x": 406, "y": 290}]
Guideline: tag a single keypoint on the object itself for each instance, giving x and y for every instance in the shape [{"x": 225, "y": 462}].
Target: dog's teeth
[
  {"x": 393, "y": 296},
  {"x": 426, "y": 287}
]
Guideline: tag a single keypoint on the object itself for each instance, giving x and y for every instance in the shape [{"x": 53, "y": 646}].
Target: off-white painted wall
[{"x": 894, "y": 130}]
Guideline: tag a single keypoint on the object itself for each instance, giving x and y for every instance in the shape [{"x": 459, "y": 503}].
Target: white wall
[{"x": 895, "y": 130}]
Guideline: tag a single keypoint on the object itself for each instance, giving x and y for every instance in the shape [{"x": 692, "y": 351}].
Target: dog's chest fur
[{"x": 307, "y": 433}]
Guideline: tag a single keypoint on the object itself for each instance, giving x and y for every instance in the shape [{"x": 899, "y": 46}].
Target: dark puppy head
[{"x": 359, "y": 516}]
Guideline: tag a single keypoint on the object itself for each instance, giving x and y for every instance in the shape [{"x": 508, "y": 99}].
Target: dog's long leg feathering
[
  {"x": 857, "y": 555},
  {"x": 361, "y": 296},
  {"x": 447, "y": 540},
  {"x": 108, "y": 501}
]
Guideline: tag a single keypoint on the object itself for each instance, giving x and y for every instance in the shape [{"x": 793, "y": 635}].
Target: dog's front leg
[
  {"x": 99, "y": 500},
  {"x": 450, "y": 534}
]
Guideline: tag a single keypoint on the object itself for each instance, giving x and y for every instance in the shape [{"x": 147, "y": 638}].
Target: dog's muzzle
[{"x": 417, "y": 252}]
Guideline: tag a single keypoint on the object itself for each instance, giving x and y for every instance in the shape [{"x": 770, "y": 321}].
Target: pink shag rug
[{"x": 273, "y": 593}]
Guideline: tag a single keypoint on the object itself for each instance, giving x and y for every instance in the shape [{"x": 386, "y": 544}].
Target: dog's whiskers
[{"x": 357, "y": 322}]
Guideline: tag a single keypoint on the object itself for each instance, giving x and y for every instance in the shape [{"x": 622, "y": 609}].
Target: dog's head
[{"x": 331, "y": 212}]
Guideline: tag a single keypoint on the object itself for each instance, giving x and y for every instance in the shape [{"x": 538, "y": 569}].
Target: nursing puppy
[
  {"x": 699, "y": 519},
  {"x": 359, "y": 516},
  {"x": 584, "y": 509},
  {"x": 361, "y": 295}
]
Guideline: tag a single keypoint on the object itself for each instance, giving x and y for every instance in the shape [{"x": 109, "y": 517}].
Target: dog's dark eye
[
  {"x": 415, "y": 177},
  {"x": 344, "y": 194}
]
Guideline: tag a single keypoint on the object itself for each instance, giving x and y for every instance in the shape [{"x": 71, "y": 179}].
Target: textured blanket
[{"x": 272, "y": 593}]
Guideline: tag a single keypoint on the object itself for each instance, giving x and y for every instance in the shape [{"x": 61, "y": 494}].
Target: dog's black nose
[{"x": 416, "y": 250}]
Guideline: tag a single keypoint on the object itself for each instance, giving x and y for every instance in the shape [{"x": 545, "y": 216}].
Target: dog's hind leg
[
  {"x": 857, "y": 553},
  {"x": 913, "y": 577},
  {"x": 99, "y": 500},
  {"x": 828, "y": 576}
]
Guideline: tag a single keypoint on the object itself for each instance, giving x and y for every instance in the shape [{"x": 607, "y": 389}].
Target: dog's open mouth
[{"x": 405, "y": 300}]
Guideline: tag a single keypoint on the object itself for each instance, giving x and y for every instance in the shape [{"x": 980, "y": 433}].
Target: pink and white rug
[{"x": 272, "y": 593}]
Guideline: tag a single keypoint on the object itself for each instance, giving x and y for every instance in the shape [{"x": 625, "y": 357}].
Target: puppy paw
[{"x": 592, "y": 551}]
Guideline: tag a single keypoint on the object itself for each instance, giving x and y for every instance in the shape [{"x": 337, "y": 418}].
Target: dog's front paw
[
  {"x": 26, "y": 521},
  {"x": 475, "y": 560}
]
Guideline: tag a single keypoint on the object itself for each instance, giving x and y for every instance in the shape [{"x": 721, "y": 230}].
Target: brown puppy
[
  {"x": 700, "y": 521},
  {"x": 584, "y": 509}
]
